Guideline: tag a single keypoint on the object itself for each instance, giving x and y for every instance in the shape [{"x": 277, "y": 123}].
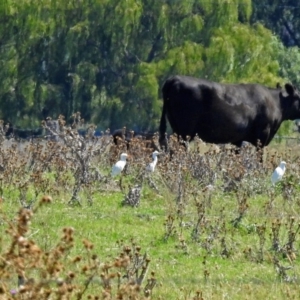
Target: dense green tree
[
  {"x": 280, "y": 16},
  {"x": 108, "y": 58}
]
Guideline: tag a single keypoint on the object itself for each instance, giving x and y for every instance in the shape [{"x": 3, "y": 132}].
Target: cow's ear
[{"x": 289, "y": 89}]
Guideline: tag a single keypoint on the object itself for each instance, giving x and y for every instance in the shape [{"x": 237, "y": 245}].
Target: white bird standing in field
[
  {"x": 278, "y": 173},
  {"x": 151, "y": 166},
  {"x": 119, "y": 166}
]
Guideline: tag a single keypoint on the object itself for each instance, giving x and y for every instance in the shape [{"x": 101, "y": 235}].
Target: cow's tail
[
  {"x": 163, "y": 119},
  {"x": 163, "y": 122}
]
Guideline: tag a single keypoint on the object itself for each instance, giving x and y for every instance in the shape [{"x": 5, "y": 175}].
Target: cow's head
[{"x": 291, "y": 102}]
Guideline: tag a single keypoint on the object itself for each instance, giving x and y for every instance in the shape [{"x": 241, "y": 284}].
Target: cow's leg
[
  {"x": 260, "y": 150},
  {"x": 238, "y": 145},
  {"x": 261, "y": 142},
  {"x": 260, "y": 153}
]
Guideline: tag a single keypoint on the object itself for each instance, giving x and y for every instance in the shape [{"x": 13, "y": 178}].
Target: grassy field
[{"x": 207, "y": 225}]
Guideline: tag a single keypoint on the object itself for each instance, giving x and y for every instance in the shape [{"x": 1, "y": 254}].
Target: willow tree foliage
[
  {"x": 109, "y": 58},
  {"x": 280, "y": 16}
]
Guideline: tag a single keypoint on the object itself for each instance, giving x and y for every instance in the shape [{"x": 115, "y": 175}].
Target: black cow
[
  {"x": 226, "y": 113},
  {"x": 24, "y": 133},
  {"x": 123, "y": 134},
  {"x": 128, "y": 135}
]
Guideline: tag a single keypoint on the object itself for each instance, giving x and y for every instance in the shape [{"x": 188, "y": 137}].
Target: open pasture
[{"x": 206, "y": 224}]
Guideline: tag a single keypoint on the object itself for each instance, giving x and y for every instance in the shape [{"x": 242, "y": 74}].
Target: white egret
[
  {"x": 278, "y": 173},
  {"x": 119, "y": 166},
  {"x": 151, "y": 166}
]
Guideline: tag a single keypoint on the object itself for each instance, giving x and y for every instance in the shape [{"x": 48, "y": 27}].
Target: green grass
[
  {"x": 223, "y": 259},
  {"x": 180, "y": 271}
]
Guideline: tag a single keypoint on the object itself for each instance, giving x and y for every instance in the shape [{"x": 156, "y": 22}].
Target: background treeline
[{"x": 109, "y": 58}]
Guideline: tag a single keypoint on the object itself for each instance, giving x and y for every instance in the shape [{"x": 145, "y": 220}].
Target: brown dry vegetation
[{"x": 220, "y": 207}]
